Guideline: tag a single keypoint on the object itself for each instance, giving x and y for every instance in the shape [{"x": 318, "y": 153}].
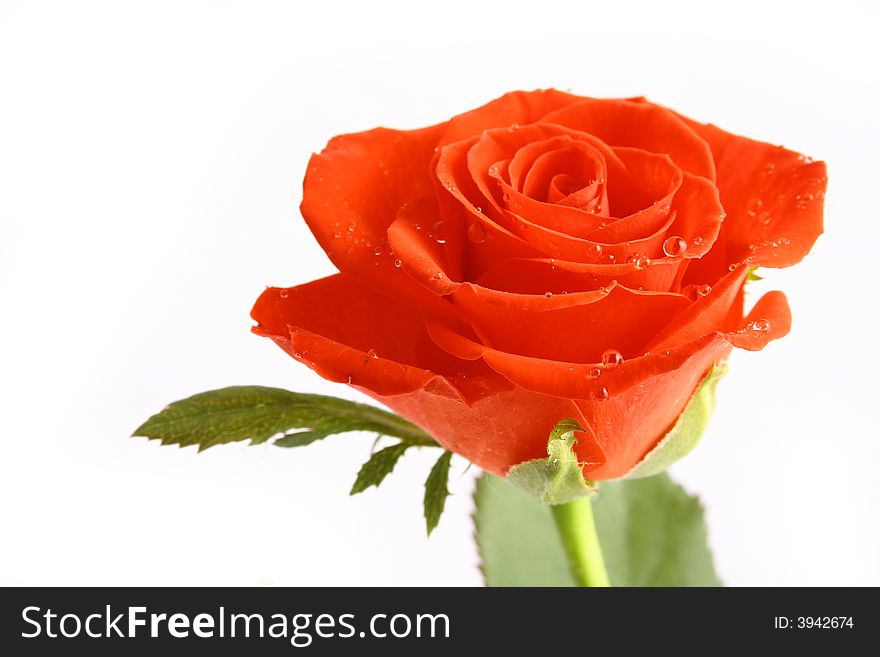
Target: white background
[{"x": 151, "y": 155}]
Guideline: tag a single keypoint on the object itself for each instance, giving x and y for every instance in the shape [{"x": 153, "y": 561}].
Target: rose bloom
[{"x": 544, "y": 256}]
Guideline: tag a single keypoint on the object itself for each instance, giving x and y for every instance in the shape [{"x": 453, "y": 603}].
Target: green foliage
[
  {"x": 651, "y": 531},
  {"x": 436, "y": 491},
  {"x": 258, "y": 414},
  {"x": 556, "y": 479}
]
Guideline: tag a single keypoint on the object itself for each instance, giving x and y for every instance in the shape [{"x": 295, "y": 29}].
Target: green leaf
[
  {"x": 752, "y": 275},
  {"x": 378, "y": 467},
  {"x": 686, "y": 432},
  {"x": 436, "y": 491},
  {"x": 558, "y": 478},
  {"x": 652, "y": 534},
  {"x": 257, "y": 414}
]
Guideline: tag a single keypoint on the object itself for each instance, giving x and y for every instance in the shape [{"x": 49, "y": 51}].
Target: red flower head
[{"x": 541, "y": 257}]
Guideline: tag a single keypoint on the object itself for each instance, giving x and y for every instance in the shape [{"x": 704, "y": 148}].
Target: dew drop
[
  {"x": 601, "y": 393},
  {"x": 297, "y": 354},
  {"x": 611, "y": 358},
  {"x": 349, "y": 380},
  {"x": 754, "y": 206},
  {"x": 604, "y": 290},
  {"x": 548, "y": 295},
  {"x": 478, "y": 209},
  {"x": 698, "y": 241},
  {"x": 282, "y": 294},
  {"x": 437, "y": 231},
  {"x": 674, "y": 246},
  {"x": 476, "y": 233},
  {"x": 397, "y": 262},
  {"x": 610, "y": 258},
  {"x": 761, "y": 325},
  {"x": 595, "y": 372},
  {"x": 764, "y": 217},
  {"x": 337, "y": 235},
  {"x": 372, "y": 354},
  {"x": 703, "y": 290},
  {"x": 438, "y": 275},
  {"x": 594, "y": 250},
  {"x": 640, "y": 261}
]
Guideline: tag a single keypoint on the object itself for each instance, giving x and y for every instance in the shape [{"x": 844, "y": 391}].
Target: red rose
[{"x": 543, "y": 256}]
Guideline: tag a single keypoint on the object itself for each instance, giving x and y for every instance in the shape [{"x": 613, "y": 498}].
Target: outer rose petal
[
  {"x": 334, "y": 325},
  {"x": 773, "y": 198},
  {"x": 352, "y": 193},
  {"x": 630, "y": 421},
  {"x": 514, "y": 108}
]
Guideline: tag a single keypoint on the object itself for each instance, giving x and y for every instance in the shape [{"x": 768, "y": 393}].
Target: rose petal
[
  {"x": 514, "y": 108},
  {"x": 352, "y": 193},
  {"x": 773, "y": 198},
  {"x": 620, "y": 402},
  {"x": 537, "y": 276},
  {"x": 621, "y": 318},
  {"x": 350, "y": 334},
  {"x": 620, "y": 122}
]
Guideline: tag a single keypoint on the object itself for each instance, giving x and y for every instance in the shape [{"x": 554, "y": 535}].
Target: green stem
[{"x": 577, "y": 529}]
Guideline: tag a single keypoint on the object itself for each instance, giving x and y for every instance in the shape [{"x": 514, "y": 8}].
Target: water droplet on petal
[
  {"x": 765, "y": 217},
  {"x": 548, "y": 295},
  {"x": 703, "y": 290},
  {"x": 282, "y": 294},
  {"x": 349, "y": 379},
  {"x": 372, "y": 354},
  {"x": 437, "y": 275},
  {"x": 674, "y": 246},
  {"x": 640, "y": 261},
  {"x": 698, "y": 241},
  {"x": 476, "y": 233},
  {"x": 594, "y": 250},
  {"x": 297, "y": 354},
  {"x": 610, "y": 258},
  {"x": 601, "y": 393},
  {"x": 595, "y": 372},
  {"x": 437, "y": 232},
  {"x": 611, "y": 358},
  {"x": 337, "y": 235},
  {"x": 760, "y": 325},
  {"x": 754, "y": 206},
  {"x": 397, "y": 262}
]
